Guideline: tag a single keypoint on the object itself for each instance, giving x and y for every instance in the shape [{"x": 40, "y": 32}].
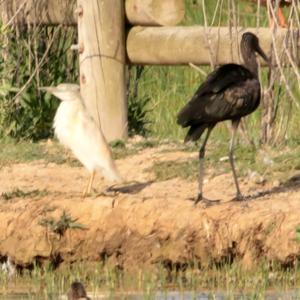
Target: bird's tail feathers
[
  {"x": 186, "y": 114},
  {"x": 195, "y": 132},
  {"x": 182, "y": 117},
  {"x": 111, "y": 173}
]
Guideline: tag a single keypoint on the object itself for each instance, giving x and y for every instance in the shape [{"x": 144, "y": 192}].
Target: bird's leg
[
  {"x": 201, "y": 171},
  {"x": 88, "y": 188},
  {"x": 201, "y": 166},
  {"x": 235, "y": 125}
]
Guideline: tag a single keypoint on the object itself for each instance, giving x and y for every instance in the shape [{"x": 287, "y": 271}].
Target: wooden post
[
  {"x": 154, "y": 12},
  {"x": 138, "y": 12},
  {"x": 102, "y": 64}
]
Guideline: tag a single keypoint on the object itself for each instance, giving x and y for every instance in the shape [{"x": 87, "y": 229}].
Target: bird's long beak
[
  {"x": 52, "y": 90},
  {"x": 62, "y": 92},
  {"x": 49, "y": 89},
  {"x": 263, "y": 55}
]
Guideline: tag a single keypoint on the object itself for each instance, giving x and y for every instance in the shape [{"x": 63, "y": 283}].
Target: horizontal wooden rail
[
  {"x": 180, "y": 45},
  {"x": 154, "y": 12},
  {"x": 53, "y": 12}
]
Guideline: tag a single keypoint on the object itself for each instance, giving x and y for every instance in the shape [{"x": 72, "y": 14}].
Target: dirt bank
[{"x": 147, "y": 222}]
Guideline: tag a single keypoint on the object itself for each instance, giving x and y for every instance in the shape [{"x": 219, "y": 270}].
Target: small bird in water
[
  {"x": 76, "y": 129},
  {"x": 77, "y": 292},
  {"x": 230, "y": 92}
]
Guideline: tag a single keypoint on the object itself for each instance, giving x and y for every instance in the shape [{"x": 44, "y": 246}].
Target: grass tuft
[
  {"x": 18, "y": 193},
  {"x": 298, "y": 234},
  {"x": 62, "y": 224},
  {"x": 170, "y": 169}
]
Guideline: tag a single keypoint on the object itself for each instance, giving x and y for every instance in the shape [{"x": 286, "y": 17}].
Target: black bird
[
  {"x": 230, "y": 92},
  {"x": 77, "y": 292}
]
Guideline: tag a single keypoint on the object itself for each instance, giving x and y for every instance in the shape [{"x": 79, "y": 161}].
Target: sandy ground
[{"x": 146, "y": 221}]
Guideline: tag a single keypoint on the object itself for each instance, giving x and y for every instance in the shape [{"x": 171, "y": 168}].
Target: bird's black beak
[{"x": 263, "y": 55}]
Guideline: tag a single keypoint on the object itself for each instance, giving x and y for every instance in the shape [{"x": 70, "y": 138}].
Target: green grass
[
  {"x": 18, "y": 193},
  {"x": 169, "y": 88},
  {"x": 120, "y": 150},
  {"x": 64, "y": 222},
  {"x": 52, "y": 152},
  {"x": 271, "y": 163},
  {"x": 227, "y": 280},
  {"x": 170, "y": 169},
  {"x": 13, "y": 151},
  {"x": 162, "y": 90},
  {"x": 19, "y": 152},
  {"x": 297, "y": 234}
]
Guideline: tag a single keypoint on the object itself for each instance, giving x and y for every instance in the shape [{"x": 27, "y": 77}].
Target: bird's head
[
  {"x": 64, "y": 91},
  {"x": 250, "y": 43}
]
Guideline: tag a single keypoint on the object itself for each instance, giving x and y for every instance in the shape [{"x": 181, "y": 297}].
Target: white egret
[{"x": 76, "y": 129}]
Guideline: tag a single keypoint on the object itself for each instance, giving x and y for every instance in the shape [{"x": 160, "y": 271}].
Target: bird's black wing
[{"x": 207, "y": 102}]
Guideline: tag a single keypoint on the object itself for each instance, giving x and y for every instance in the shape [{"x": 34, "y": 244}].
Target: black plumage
[
  {"x": 77, "y": 292},
  {"x": 230, "y": 92}
]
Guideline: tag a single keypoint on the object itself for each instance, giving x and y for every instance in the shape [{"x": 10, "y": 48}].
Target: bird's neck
[
  {"x": 82, "y": 102},
  {"x": 251, "y": 63}
]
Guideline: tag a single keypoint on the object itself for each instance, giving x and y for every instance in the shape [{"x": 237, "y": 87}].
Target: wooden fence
[{"x": 105, "y": 48}]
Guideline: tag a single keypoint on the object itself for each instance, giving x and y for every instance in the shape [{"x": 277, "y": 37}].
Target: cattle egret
[{"x": 76, "y": 129}]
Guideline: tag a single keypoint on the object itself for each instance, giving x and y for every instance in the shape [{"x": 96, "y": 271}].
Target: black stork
[{"x": 230, "y": 92}]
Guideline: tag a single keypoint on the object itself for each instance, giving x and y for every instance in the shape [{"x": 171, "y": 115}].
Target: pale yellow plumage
[{"x": 76, "y": 129}]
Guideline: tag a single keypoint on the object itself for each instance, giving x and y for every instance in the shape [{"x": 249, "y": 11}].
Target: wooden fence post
[{"x": 101, "y": 32}]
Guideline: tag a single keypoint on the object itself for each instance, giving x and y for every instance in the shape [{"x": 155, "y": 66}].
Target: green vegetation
[
  {"x": 169, "y": 88},
  {"x": 19, "y": 152},
  {"x": 279, "y": 164},
  {"x": 155, "y": 94},
  {"x": 229, "y": 281},
  {"x": 52, "y": 152},
  {"x": 60, "y": 226},
  {"x": 137, "y": 105},
  {"x": 26, "y": 151},
  {"x": 38, "y": 56},
  {"x": 31, "y": 57},
  {"x": 18, "y": 193},
  {"x": 170, "y": 169},
  {"x": 298, "y": 234}
]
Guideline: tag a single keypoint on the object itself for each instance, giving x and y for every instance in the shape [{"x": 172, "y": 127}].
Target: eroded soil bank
[{"x": 147, "y": 221}]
